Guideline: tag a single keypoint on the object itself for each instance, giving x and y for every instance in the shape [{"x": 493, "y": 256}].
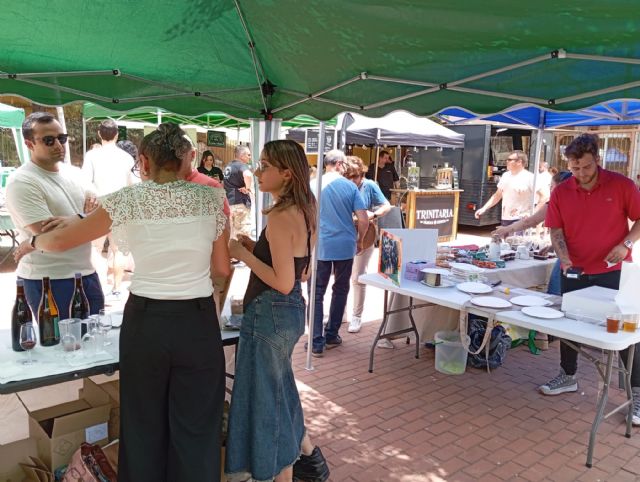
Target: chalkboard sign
[
  {"x": 122, "y": 133},
  {"x": 436, "y": 212},
  {"x": 216, "y": 139},
  {"x": 312, "y": 139}
]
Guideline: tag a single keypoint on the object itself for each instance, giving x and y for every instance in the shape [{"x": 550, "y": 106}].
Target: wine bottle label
[{"x": 56, "y": 327}]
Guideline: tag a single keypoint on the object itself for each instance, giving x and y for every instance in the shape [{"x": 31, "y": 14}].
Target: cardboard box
[
  {"x": 112, "y": 388},
  {"x": 11, "y": 455},
  {"x": 59, "y": 430}
]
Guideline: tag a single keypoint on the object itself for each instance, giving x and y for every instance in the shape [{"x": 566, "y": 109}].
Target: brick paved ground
[{"x": 407, "y": 422}]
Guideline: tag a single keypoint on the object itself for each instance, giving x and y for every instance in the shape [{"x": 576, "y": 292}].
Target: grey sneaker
[
  {"x": 636, "y": 406},
  {"x": 562, "y": 383}
]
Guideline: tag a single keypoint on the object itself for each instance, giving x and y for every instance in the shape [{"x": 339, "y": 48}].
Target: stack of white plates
[{"x": 462, "y": 272}]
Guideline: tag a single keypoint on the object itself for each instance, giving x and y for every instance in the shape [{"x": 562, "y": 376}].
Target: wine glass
[
  {"x": 28, "y": 341},
  {"x": 105, "y": 324}
]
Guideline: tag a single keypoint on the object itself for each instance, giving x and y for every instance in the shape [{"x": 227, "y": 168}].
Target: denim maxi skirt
[{"x": 266, "y": 424}]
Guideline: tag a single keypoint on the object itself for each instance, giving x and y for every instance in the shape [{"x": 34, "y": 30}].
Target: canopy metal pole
[
  {"x": 375, "y": 175},
  {"x": 314, "y": 259},
  {"x": 536, "y": 166}
]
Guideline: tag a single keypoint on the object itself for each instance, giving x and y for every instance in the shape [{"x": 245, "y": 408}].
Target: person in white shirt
[
  {"x": 172, "y": 376},
  {"x": 543, "y": 181},
  {"x": 42, "y": 188},
  {"x": 515, "y": 189},
  {"x": 109, "y": 169}
]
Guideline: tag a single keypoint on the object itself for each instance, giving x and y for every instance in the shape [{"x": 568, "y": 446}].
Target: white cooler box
[{"x": 591, "y": 304}]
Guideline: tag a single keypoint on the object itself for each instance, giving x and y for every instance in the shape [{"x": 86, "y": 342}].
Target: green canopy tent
[
  {"x": 12, "y": 118},
  {"x": 260, "y": 59}
]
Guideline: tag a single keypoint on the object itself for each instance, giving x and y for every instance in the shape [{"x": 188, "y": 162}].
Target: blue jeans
[
  {"x": 341, "y": 277},
  {"x": 266, "y": 422},
  {"x": 553, "y": 288},
  {"x": 62, "y": 290}
]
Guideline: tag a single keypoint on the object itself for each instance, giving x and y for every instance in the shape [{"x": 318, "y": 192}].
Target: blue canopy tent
[
  {"x": 610, "y": 113},
  {"x": 615, "y": 112}
]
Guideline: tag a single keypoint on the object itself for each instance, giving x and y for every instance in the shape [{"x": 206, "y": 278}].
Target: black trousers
[
  {"x": 172, "y": 382},
  {"x": 568, "y": 356}
]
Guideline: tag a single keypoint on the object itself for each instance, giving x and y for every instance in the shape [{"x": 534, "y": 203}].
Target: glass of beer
[
  {"x": 630, "y": 323},
  {"x": 613, "y": 322}
]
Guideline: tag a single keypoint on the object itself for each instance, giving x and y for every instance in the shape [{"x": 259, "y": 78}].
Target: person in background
[
  {"x": 238, "y": 181},
  {"x": 377, "y": 206},
  {"x": 43, "y": 188},
  {"x": 187, "y": 152},
  {"x": 338, "y": 243},
  {"x": 266, "y": 438},
  {"x": 109, "y": 169},
  {"x": 131, "y": 149},
  {"x": 515, "y": 189},
  {"x": 543, "y": 181},
  {"x": 208, "y": 168},
  {"x": 171, "y": 359},
  {"x": 589, "y": 218},
  {"x": 387, "y": 177},
  {"x": 532, "y": 221}
]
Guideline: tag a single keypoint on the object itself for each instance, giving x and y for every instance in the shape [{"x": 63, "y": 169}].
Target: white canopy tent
[{"x": 398, "y": 128}]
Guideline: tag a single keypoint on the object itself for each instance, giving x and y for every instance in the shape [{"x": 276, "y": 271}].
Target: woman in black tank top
[{"x": 267, "y": 437}]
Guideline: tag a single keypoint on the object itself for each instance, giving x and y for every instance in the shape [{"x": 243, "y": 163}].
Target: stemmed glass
[
  {"x": 105, "y": 324},
  {"x": 28, "y": 341}
]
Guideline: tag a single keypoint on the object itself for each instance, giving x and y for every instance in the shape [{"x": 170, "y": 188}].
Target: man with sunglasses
[
  {"x": 109, "y": 169},
  {"x": 43, "y": 188},
  {"x": 515, "y": 190}
]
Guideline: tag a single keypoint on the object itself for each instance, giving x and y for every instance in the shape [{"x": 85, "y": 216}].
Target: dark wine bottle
[
  {"x": 79, "y": 306},
  {"x": 21, "y": 314},
  {"x": 48, "y": 316}
]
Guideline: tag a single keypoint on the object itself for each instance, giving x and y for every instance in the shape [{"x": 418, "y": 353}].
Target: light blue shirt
[
  {"x": 371, "y": 194},
  {"x": 337, "y": 237}
]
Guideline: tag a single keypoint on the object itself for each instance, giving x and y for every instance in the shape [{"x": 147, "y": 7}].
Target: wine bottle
[
  {"x": 79, "y": 306},
  {"x": 20, "y": 315},
  {"x": 48, "y": 316}
]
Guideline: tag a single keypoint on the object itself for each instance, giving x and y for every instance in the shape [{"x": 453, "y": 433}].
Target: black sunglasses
[
  {"x": 51, "y": 140},
  {"x": 135, "y": 169}
]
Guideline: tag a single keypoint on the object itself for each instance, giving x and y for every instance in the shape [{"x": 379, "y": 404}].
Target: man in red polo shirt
[{"x": 589, "y": 220}]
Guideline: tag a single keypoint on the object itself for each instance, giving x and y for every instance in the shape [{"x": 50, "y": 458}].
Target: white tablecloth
[{"x": 429, "y": 320}]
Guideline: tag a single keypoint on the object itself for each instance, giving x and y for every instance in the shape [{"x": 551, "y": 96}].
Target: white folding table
[{"x": 572, "y": 331}]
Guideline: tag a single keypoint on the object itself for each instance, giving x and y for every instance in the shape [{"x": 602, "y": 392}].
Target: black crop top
[{"x": 262, "y": 251}]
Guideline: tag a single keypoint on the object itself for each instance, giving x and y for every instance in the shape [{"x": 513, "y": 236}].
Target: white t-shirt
[
  {"x": 516, "y": 194},
  {"x": 170, "y": 229},
  {"x": 543, "y": 183},
  {"x": 108, "y": 168},
  {"x": 35, "y": 194}
]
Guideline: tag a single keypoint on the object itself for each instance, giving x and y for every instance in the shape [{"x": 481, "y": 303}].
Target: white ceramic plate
[
  {"x": 490, "y": 302},
  {"x": 441, "y": 271},
  {"x": 474, "y": 288},
  {"x": 542, "y": 312},
  {"x": 529, "y": 300},
  {"x": 445, "y": 283},
  {"x": 466, "y": 268}
]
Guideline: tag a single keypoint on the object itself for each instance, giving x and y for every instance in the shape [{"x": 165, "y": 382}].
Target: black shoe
[
  {"x": 311, "y": 468},
  {"x": 316, "y": 352},
  {"x": 333, "y": 342}
]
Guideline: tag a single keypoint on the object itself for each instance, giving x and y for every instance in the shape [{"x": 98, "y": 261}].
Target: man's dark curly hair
[{"x": 581, "y": 145}]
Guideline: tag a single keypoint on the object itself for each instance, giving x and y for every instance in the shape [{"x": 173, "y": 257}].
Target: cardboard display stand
[{"x": 401, "y": 246}]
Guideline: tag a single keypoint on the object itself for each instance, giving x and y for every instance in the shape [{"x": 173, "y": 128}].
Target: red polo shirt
[
  {"x": 205, "y": 180},
  {"x": 594, "y": 221}
]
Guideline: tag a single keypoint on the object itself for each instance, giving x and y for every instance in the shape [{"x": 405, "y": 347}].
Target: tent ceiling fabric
[
  {"x": 11, "y": 117},
  {"x": 327, "y": 57}
]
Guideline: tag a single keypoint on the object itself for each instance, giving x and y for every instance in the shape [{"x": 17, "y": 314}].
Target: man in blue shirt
[{"x": 338, "y": 243}]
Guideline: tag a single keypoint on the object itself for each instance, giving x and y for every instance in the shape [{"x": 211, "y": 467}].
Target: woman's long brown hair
[{"x": 285, "y": 154}]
